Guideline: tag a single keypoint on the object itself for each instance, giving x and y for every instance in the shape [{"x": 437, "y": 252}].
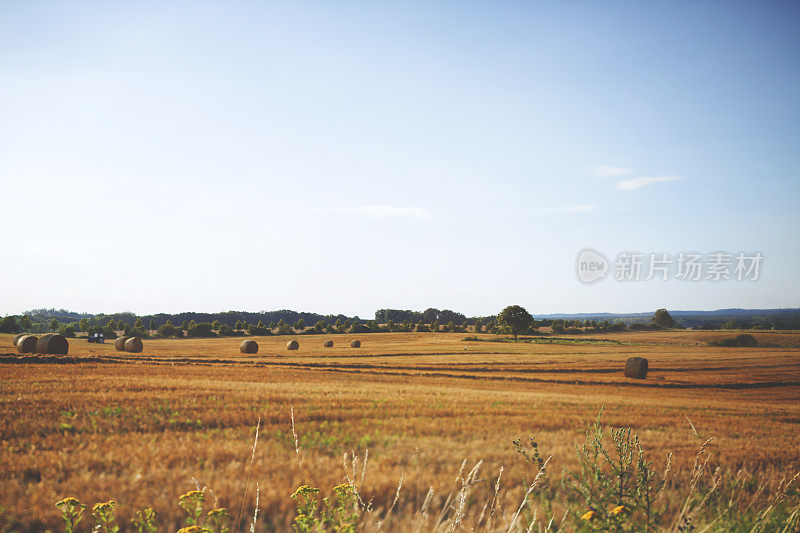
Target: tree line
[{"x": 287, "y": 322}]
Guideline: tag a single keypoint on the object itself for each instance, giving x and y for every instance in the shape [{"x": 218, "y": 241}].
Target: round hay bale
[
  {"x": 16, "y": 338},
  {"x": 355, "y": 344},
  {"x": 292, "y": 345},
  {"x": 328, "y": 344},
  {"x": 53, "y": 344},
  {"x": 27, "y": 344},
  {"x": 636, "y": 367},
  {"x": 134, "y": 345},
  {"x": 119, "y": 344},
  {"x": 249, "y": 346}
]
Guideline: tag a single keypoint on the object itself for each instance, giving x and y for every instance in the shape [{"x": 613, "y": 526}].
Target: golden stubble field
[{"x": 144, "y": 428}]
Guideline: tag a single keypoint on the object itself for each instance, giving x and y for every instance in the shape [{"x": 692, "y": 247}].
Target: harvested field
[{"x": 140, "y": 428}]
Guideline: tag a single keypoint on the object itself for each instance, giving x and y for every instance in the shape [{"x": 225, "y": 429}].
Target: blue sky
[{"x": 348, "y": 156}]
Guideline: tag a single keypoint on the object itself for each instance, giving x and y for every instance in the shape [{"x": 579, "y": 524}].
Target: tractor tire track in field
[{"x": 428, "y": 371}]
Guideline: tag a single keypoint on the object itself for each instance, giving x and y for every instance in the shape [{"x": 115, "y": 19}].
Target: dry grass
[{"x": 141, "y": 428}]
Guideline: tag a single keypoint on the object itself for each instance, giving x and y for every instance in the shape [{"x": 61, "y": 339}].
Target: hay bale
[
  {"x": 53, "y": 344},
  {"x": 27, "y": 344},
  {"x": 119, "y": 344},
  {"x": 636, "y": 367},
  {"x": 134, "y": 345},
  {"x": 16, "y": 338},
  {"x": 355, "y": 344},
  {"x": 249, "y": 346},
  {"x": 328, "y": 344},
  {"x": 292, "y": 345}
]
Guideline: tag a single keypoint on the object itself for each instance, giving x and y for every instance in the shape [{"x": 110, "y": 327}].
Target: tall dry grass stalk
[
  {"x": 255, "y": 513},
  {"x": 249, "y": 473},
  {"x": 296, "y": 442},
  {"x": 536, "y": 481}
]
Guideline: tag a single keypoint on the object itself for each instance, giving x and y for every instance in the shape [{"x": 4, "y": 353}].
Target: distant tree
[
  {"x": 357, "y": 327},
  {"x": 83, "y": 325},
  {"x": 515, "y": 319},
  {"x": 338, "y": 326},
  {"x": 435, "y": 326},
  {"x": 112, "y": 325},
  {"x": 152, "y": 326},
  {"x": 663, "y": 319},
  {"x": 25, "y": 323},
  {"x": 477, "y": 326},
  {"x": 430, "y": 315},
  {"x": 9, "y": 325},
  {"x": 272, "y": 325},
  {"x": 238, "y": 324},
  {"x": 300, "y": 325},
  {"x": 215, "y": 325},
  {"x": 67, "y": 330},
  {"x": 258, "y": 329},
  {"x": 185, "y": 325},
  {"x": 225, "y": 329},
  {"x": 421, "y": 327},
  {"x": 168, "y": 330},
  {"x": 320, "y": 326},
  {"x": 53, "y": 324},
  {"x": 138, "y": 324},
  {"x": 203, "y": 329}
]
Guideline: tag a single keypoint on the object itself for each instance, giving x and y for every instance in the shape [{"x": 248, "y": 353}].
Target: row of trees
[
  {"x": 514, "y": 320},
  {"x": 191, "y": 328}
]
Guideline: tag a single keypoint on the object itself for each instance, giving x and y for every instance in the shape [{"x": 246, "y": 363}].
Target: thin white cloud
[
  {"x": 611, "y": 172},
  {"x": 579, "y": 208},
  {"x": 388, "y": 211},
  {"x": 633, "y": 184}
]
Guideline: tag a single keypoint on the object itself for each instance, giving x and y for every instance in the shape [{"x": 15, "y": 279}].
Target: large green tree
[
  {"x": 515, "y": 319},
  {"x": 664, "y": 319}
]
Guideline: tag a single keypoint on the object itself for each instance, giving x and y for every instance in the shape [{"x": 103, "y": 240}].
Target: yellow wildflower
[
  {"x": 103, "y": 507},
  {"x": 617, "y": 510},
  {"x": 220, "y": 512},
  {"x": 197, "y": 495},
  {"x": 303, "y": 490},
  {"x": 589, "y": 516},
  {"x": 192, "y": 529},
  {"x": 69, "y": 502}
]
